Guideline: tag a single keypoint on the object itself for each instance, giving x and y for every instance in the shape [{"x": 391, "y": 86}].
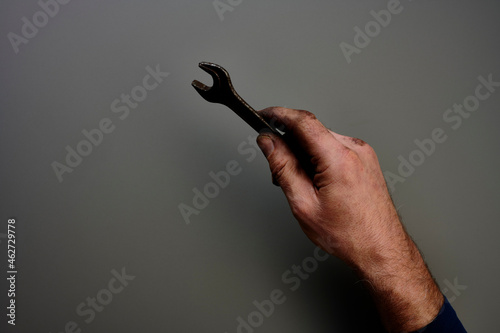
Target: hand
[{"x": 337, "y": 192}]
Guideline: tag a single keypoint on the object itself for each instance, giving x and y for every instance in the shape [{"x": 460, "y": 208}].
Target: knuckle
[
  {"x": 301, "y": 210},
  {"x": 306, "y": 115},
  {"x": 358, "y": 142},
  {"x": 349, "y": 165},
  {"x": 271, "y": 111},
  {"x": 349, "y": 157},
  {"x": 308, "y": 123},
  {"x": 361, "y": 148},
  {"x": 278, "y": 108},
  {"x": 368, "y": 151},
  {"x": 278, "y": 169}
]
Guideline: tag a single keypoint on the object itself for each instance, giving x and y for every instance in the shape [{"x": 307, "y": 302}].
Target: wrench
[{"x": 222, "y": 92}]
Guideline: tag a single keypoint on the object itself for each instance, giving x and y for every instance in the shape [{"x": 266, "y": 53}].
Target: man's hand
[{"x": 337, "y": 192}]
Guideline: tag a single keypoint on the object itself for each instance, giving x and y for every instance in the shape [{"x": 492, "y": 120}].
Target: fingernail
[{"x": 265, "y": 144}]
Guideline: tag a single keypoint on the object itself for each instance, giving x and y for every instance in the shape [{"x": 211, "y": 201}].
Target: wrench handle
[{"x": 249, "y": 115}]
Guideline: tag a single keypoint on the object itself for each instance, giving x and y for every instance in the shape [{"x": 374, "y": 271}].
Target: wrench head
[{"x": 221, "y": 87}]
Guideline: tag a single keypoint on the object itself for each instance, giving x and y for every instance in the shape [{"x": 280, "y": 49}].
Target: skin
[{"x": 337, "y": 193}]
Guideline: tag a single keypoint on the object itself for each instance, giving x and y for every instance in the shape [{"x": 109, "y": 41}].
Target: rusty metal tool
[{"x": 222, "y": 92}]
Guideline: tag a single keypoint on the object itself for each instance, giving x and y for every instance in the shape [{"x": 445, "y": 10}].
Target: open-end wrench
[{"x": 222, "y": 92}]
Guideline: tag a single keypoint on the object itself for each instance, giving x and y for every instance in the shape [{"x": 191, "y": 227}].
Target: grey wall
[{"x": 119, "y": 208}]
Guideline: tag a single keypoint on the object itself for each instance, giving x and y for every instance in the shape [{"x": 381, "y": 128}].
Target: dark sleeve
[{"x": 445, "y": 322}]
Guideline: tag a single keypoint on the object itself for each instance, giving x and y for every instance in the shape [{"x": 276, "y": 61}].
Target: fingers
[
  {"x": 322, "y": 153},
  {"x": 318, "y": 151},
  {"x": 287, "y": 171},
  {"x": 314, "y": 138}
]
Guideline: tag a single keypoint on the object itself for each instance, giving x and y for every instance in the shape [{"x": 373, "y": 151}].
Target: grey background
[{"x": 119, "y": 208}]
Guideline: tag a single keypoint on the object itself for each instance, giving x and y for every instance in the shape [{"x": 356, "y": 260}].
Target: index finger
[{"x": 304, "y": 128}]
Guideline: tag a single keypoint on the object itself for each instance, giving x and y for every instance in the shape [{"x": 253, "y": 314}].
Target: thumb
[{"x": 286, "y": 169}]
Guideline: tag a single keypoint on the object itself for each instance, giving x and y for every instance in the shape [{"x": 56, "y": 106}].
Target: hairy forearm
[{"x": 404, "y": 291}]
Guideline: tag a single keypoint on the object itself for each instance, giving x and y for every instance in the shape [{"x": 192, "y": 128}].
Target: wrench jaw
[
  {"x": 219, "y": 74},
  {"x": 222, "y": 92},
  {"x": 204, "y": 91},
  {"x": 221, "y": 87}
]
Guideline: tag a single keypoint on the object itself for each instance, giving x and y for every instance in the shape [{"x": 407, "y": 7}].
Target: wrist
[{"x": 404, "y": 291}]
